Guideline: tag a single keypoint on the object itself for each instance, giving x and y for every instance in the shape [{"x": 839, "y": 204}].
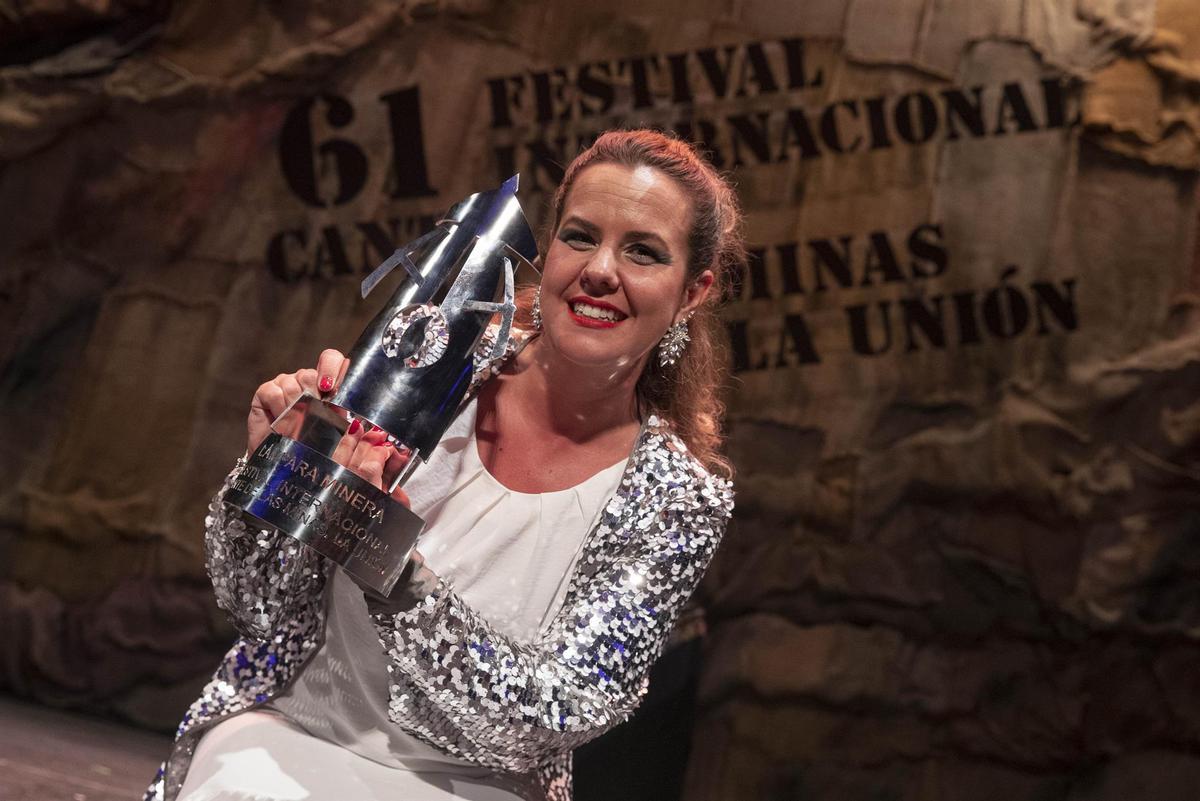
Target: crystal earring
[
  {"x": 671, "y": 346},
  {"x": 536, "y": 312}
]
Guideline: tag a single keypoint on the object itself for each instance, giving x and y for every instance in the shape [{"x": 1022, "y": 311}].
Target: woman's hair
[{"x": 688, "y": 393}]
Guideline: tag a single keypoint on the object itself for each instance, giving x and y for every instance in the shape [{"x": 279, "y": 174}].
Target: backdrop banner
[{"x": 966, "y": 413}]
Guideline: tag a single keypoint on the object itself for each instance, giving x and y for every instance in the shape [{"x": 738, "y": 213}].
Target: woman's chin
[{"x": 589, "y": 353}]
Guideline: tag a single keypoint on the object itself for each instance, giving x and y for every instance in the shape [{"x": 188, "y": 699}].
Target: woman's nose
[{"x": 600, "y": 272}]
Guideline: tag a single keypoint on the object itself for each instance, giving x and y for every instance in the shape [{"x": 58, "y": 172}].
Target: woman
[{"x": 570, "y": 509}]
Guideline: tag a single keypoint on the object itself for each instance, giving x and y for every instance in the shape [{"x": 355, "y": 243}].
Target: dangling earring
[
  {"x": 536, "y": 312},
  {"x": 671, "y": 346}
]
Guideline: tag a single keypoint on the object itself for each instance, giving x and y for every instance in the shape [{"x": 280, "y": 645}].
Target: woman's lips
[
  {"x": 608, "y": 312},
  {"x": 590, "y": 322}
]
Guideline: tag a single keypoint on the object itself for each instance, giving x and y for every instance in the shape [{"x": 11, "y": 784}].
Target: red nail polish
[
  {"x": 383, "y": 444},
  {"x": 326, "y": 384},
  {"x": 355, "y": 427}
]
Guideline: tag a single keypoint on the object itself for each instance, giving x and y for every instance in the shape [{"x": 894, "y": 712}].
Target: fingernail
[
  {"x": 355, "y": 427},
  {"x": 326, "y": 383},
  {"x": 383, "y": 444}
]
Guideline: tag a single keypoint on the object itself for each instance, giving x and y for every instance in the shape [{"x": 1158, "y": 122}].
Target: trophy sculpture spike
[{"x": 409, "y": 372}]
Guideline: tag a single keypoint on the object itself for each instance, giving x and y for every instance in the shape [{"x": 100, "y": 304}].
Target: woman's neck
[{"x": 578, "y": 402}]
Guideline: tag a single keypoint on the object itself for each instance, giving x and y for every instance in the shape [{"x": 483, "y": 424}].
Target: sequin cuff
[
  {"x": 415, "y": 584},
  {"x": 260, "y": 577}
]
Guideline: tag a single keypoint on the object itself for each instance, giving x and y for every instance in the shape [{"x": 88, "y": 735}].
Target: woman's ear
[{"x": 694, "y": 294}]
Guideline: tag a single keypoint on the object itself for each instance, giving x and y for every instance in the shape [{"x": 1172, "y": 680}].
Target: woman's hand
[
  {"x": 366, "y": 452},
  {"x": 372, "y": 457},
  {"x": 272, "y": 398}
]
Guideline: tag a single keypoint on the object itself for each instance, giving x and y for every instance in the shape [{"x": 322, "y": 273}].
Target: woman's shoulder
[{"x": 679, "y": 465}]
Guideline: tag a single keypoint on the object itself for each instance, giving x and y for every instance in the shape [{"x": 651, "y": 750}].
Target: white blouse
[{"x": 507, "y": 553}]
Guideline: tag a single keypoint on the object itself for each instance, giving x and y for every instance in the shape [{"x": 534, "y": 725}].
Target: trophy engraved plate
[
  {"x": 289, "y": 486},
  {"x": 409, "y": 372}
]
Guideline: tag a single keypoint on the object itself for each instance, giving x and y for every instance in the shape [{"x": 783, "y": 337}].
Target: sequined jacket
[{"x": 456, "y": 683}]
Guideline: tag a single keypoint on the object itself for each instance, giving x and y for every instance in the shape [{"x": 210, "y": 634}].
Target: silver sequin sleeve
[
  {"x": 260, "y": 577},
  {"x": 519, "y": 706}
]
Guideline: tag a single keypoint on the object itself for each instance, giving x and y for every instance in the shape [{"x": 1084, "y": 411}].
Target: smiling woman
[
  {"x": 665, "y": 188},
  {"x": 571, "y": 509}
]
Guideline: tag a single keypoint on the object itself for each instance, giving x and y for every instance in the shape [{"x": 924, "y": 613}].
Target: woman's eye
[
  {"x": 642, "y": 254},
  {"x": 576, "y": 239}
]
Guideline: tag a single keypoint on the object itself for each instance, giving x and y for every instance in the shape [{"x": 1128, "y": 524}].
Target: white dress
[{"x": 508, "y": 554}]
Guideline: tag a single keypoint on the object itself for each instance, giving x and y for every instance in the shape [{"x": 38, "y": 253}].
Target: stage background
[{"x": 965, "y": 561}]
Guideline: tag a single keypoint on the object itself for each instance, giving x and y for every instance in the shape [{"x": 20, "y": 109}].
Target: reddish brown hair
[{"x": 688, "y": 393}]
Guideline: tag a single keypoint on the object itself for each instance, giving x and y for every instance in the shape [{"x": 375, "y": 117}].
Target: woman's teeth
[{"x": 596, "y": 313}]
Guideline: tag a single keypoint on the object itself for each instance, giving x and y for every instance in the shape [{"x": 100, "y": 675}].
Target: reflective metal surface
[{"x": 410, "y": 368}]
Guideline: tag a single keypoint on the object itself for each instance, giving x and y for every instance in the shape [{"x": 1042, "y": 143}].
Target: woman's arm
[
  {"x": 516, "y": 704},
  {"x": 260, "y": 577}
]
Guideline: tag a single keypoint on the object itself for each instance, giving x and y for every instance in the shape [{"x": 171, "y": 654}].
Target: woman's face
[{"x": 613, "y": 279}]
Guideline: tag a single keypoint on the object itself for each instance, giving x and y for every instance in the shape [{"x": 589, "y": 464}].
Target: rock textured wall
[{"x": 967, "y": 404}]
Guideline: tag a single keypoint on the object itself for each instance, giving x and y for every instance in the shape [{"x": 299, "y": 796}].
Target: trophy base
[{"x": 289, "y": 486}]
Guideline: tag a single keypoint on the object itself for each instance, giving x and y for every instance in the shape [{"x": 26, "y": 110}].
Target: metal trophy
[{"x": 409, "y": 371}]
